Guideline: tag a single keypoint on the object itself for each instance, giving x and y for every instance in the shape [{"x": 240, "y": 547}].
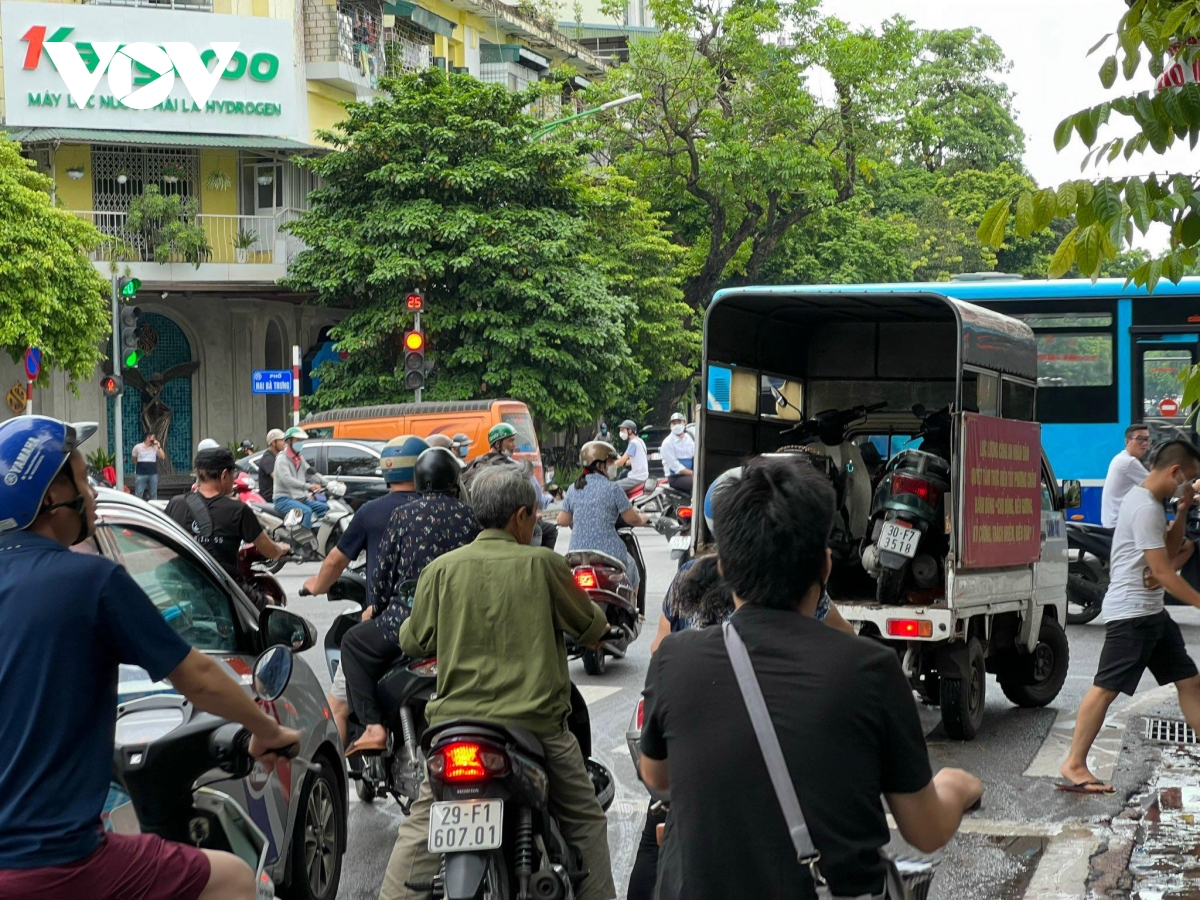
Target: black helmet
[{"x": 436, "y": 470}]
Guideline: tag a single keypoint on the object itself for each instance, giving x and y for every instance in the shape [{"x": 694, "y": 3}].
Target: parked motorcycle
[
  {"x": 308, "y": 544},
  {"x": 493, "y": 778},
  {"x": 824, "y": 437},
  {"x": 403, "y": 692},
  {"x": 1088, "y": 548},
  {"x": 606, "y": 581},
  {"x": 164, "y": 745},
  {"x": 907, "y": 539}
]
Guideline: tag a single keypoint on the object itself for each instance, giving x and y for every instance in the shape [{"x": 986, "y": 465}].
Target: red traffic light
[
  {"x": 414, "y": 302},
  {"x": 414, "y": 342},
  {"x": 111, "y": 385}
]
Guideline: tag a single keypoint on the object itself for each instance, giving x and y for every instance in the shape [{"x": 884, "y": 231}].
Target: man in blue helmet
[
  {"x": 67, "y": 621},
  {"x": 367, "y": 532}
]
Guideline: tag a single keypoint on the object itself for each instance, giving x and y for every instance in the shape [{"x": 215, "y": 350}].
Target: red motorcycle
[
  {"x": 259, "y": 586},
  {"x": 607, "y": 583}
]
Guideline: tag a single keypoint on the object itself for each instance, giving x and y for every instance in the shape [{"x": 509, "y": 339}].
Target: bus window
[
  {"x": 1160, "y": 380},
  {"x": 779, "y": 398},
  {"x": 981, "y": 392},
  {"x": 1075, "y": 360}
]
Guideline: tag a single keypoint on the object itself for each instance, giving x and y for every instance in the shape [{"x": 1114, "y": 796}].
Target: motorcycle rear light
[
  {"x": 906, "y": 484},
  {"x": 424, "y": 667},
  {"x": 909, "y": 628},
  {"x": 641, "y": 713},
  {"x": 465, "y": 761},
  {"x": 685, "y": 512},
  {"x": 586, "y": 578}
]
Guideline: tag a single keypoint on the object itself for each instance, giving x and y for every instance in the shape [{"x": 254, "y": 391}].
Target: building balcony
[
  {"x": 185, "y": 5},
  {"x": 343, "y": 46},
  {"x": 264, "y": 258}
]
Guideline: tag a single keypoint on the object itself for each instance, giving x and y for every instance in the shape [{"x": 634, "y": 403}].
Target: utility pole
[
  {"x": 296, "y": 385},
  {"x": 118, "y": 425},
  {"x": 417, "y": 328}
]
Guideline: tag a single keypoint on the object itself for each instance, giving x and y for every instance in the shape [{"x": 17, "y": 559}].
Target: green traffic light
[
  {"x": 129, "y": 287},
  {"x": 131, "y": 358}
]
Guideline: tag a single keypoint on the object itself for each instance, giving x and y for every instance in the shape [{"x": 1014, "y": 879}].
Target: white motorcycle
[{"x": 308, "y": 544}]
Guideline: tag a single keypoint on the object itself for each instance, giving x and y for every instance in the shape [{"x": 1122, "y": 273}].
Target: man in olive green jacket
[{"x": 494, "y": 612}]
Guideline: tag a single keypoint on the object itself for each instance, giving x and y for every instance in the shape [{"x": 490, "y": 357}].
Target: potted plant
[
  {"x": 170, "y": 225},
  {"x": 172, "y": 173},
  {"x": 245, "y": 239},
  {"x": 75, "y": 172},
  {"x": 266, "y": 178},
  {"x": 122, "y": 176},
  {"x": 217, "y": 180}
]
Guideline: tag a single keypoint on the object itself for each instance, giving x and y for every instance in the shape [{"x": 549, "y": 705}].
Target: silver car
[{"x": 302, "y": 813}]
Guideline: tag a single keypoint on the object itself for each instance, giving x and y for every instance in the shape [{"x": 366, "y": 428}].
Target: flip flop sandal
[
  {"x": 359, "y": 747},
  {"x": 1084, "y": 786}
]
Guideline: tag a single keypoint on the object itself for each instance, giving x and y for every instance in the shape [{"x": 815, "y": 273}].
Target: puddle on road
[
  {"x": 998, "y": 867},
  {"x": 1166, "y": 862}
]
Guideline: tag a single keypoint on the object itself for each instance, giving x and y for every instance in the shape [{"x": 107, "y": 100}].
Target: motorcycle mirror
[
  {"x": 293, "y": 518},
  {"x": 272, "y": 672},
  {"x": 780, "y": 400}
]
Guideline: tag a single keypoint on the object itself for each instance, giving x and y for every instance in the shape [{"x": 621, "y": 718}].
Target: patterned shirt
[{"x": 418, "y": 533}]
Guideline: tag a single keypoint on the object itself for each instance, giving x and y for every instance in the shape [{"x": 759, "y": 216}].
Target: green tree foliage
[
  {"x": 51, "y": 296},
  {"x": 170, "y": 226},
  {"x": 517, "y": 247},
  {"x": 960, "y": 115}
]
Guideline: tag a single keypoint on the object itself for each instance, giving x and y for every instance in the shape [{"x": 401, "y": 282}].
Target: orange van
[{"x": 471, "y": 417}]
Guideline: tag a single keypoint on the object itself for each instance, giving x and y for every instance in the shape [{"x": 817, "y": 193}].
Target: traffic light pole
[
  {"x": 118, "y": 427},
  {"x": 417, "y": 327}
]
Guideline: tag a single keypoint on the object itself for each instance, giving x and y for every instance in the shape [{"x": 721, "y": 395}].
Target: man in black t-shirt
[
  {"x": 841, "y": 706},
  {"x": 219, "y": 523}
]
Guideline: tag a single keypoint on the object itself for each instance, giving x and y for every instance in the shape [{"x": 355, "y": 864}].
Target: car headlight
[{"x": 146, "y": 726}]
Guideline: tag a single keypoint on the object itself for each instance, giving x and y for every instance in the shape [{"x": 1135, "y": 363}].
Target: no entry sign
[{"x": 1168, "y": 407}]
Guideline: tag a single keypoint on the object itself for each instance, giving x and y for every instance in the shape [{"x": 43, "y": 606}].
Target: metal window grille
[
  {"x": 408, "y": 47},
  {"x": 190, "y": 5},
  {"x": 140, "y": 167},
  {"x": 1169, "y": 731}
]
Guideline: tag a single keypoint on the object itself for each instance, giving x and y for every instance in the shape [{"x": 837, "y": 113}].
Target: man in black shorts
[{"x": 1140, "y": 634}]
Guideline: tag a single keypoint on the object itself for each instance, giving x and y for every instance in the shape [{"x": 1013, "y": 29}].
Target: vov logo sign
[{"x": 117, "y": 60}]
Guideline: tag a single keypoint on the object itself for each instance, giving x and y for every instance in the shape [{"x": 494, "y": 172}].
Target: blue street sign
[
  {"x": 272, "y": 381},
  {"x": 33, "y": 363}
]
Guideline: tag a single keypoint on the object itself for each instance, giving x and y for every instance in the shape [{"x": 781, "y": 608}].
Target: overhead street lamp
[{"x": 603, "y": 107}]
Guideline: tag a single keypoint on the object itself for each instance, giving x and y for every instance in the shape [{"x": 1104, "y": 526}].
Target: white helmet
[{"x": 207, "y": 444}]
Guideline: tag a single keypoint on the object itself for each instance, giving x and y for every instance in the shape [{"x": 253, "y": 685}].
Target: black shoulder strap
[{"x": 200, "y": 513}]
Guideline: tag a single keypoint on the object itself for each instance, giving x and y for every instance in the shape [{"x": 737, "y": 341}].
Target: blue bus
[{"x": 1108, "y": 356}]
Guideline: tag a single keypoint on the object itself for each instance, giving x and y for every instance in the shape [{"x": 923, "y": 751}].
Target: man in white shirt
[
  {"x": 635, "y": 457},
  {"x": 146, "y": 456},
  {"x": 679, "y": 455},
  {"x": 1125, "y": 472},
  {"x": 1140, "y": 635}
]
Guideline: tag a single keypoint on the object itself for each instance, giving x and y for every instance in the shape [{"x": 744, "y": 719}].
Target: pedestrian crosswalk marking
[{"x": 594, "y": 693}]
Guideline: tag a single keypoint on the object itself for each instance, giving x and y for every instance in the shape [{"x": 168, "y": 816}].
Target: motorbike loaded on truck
[{"x": 949, "y": 541}]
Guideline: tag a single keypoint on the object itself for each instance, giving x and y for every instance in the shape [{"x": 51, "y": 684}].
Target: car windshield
[{"x": 526, "y": 439}]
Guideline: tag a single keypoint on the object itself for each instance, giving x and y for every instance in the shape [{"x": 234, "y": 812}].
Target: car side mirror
[
  {"x": 272, "y": 672},
  {"x": 1072, "y": 492},
  {"x": 282, "y": 626}
]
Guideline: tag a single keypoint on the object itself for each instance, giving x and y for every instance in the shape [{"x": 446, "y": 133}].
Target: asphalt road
[{"x": 1001, "y": 848}]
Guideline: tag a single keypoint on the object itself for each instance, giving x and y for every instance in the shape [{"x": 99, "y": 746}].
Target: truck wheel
[
  {"x": 1034, "y": 679},
  {"x": 889, "y": 589},
  {"x": 594, "y": 662},
  {"x": 1085, "y": 597},
  {"x": 963, "y": 700}
]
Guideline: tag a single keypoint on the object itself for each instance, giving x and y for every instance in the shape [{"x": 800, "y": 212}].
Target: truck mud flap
[{"x": 952, "y": 661}]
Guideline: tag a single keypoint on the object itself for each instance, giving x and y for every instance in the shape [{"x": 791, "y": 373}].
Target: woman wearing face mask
[
  {"x": 678, "y": 453},
  {"x": 594, "y": 505}
]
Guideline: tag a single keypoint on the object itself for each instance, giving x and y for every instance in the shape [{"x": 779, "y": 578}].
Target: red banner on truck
[{"x": 1002, "y": 492}]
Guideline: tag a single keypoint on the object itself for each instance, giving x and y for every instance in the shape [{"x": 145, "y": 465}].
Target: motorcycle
[
  {"x": 164, "y": 746},
  {"x": 308, "y": 544},
  {"x": 403, "y": 691},
  {"x": 493, "y": 778},
  {"x": 606, "y": 581},
  {"x": 907, "y": 539},
  {"x": 1089, "y": 548},
  {"x": 245, "y": 490},
  {"x": 824, "y": 438},
  {"x": 252, "y": 578}
]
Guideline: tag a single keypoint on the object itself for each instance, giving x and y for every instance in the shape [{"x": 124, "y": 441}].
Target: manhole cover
[{"x": 1170, "y": 731}]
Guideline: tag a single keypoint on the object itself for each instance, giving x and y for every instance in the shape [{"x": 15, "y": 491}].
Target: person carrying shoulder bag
[{"x": 837, "y": 708}]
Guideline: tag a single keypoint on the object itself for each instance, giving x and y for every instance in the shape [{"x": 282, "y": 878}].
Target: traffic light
[
  {"x": 112, "y": 385},
  {"x": 414, "y": 302},
  {"x": 131, "y": 354},
  {"x": 128, "y": 287},
  {"x": 414, "y": 360}
]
